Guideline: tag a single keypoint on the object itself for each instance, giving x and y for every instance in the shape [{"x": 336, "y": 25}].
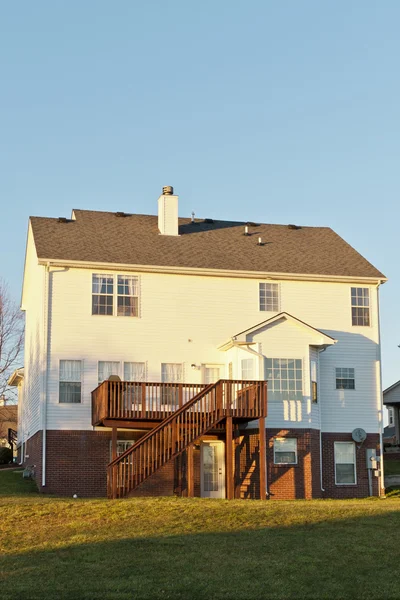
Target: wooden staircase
[{"x": 240, "y": 400}]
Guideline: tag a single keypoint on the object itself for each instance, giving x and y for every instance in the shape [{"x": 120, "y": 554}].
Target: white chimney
[{"x": 168, "y": 212}]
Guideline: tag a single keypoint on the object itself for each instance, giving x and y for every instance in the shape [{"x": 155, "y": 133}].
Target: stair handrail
[{"x": 163, "y": 423}]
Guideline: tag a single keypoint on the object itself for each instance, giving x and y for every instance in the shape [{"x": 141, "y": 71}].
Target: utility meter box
[{"x": 371, "y": 458}]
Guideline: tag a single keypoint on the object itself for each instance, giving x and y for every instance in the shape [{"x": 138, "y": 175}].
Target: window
[
  {"x": 171, "y": 373},
  {"x": 107, "y": 368},
  {"x": 285, "y": 379},
  {"x": 269, "y": 297},
  {"x": 391, "y": 416},
  {"x": 247, "y": 369},
  {"x": 314, "y": 384},
  {"x": 360, "y": 306},
  {"x": 134, "y": 371},
  {"x": 345, "y": 379},
  {"x": 345, "y": 463},
  {"x": 128, "y": 300},
  {"x": 126, "y": 291},
  {"x": 285, "y": 451},
  {"x": 102, "y": 294},
  {"x": 70, "y": 382}
]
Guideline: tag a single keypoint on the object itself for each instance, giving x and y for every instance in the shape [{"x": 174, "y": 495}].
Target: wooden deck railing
[
  {"x": 182, "y": 428},
  {"x": 140, "y": 400}
]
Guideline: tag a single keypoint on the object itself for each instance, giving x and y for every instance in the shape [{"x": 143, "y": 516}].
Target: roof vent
[
  {"x": 252, "y": 224},
  {"x": 246, "y": 230},
  {"x": 168, "y": 190},
  {"x": 62, "y": 220},
  {"x": 291, "y": 226},
  {"x": 260, "y": 242},
  {"x": 208, "y": 220},
  {"x": 120, "y": 214},
  {"x": 193, "y": 215}
]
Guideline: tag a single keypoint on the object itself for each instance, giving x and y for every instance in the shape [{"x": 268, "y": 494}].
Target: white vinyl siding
[
  {"x": 70, "y": 382},
  {"x": 285, "y": 451},
  {"x": 345, "y": 463}
]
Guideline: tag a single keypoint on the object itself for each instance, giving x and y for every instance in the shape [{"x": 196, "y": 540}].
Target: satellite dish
[{"x": 358, "y": 434}]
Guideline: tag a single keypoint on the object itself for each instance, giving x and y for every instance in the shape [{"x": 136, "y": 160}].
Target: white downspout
[
  {"x": 261, "y": 357},
  {"x": 382, "y": 478},
  {"x": 320, "y": 425},
  {"x": 44, "y": 368}
]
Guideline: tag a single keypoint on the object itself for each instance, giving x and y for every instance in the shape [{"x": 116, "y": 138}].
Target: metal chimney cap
[{"x": 167, "y": 190}]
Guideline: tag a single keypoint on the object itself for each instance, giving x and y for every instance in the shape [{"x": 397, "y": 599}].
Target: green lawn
[{"x": 54, "y": 548}]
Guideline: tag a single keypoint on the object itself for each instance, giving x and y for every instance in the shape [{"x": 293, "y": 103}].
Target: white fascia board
[{"x": 210, "y": 272}]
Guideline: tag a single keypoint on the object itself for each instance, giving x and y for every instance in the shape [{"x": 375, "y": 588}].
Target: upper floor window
[
  {"x": 269, "y": 297},
  {"x": 70, "y": 381},
  {"x": 125, "y": 289},
  {"x": 102, "y": 294},
  {"x": 360, "y": 306},
  {"x": 345, "y": 379},
  {"x": 285, "y": 378}
]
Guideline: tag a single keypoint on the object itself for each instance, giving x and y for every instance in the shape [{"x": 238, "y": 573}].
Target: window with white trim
[
  {"x": 134, "y": 371},
  {"x": 314, "y": 382},
  {"x": 391, "y": 416},
  {"x": 360, "y": 314},
  {"x": 102, "y": 294},
  {"x": 247, "y": 365},
  {"x": 70, "y": 383},
  {"x": 269, "y": 296},
  {"x": 345, "y": 378},
  {"x": 122, "y": 446},
  {"x": 107, "y": 368},
  {"x": 171, "y": 373},
  {"x": 115, "y": 295},
  {"x": 285, "y": 379},
  {"x": 345, "y": 463},
  {"x": 285, "y": 451}
]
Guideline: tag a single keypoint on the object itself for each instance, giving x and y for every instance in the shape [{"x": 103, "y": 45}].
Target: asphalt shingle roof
[{"x": 134, "y": 239}]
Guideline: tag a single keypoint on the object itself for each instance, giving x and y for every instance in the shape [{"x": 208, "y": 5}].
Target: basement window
[
  {"x": 285, "y": 451},
  {"x": 345, "y": 463}
]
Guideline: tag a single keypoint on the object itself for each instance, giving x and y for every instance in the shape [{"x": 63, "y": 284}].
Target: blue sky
[{"x": 278, "y": 112}]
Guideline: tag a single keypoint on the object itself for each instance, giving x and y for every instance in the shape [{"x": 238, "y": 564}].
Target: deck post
[
  {"x": 229, "y": 466},
  {"x": 114, "y": 438},
  {"x": 190, "y": 472},
  {"x": 262, "y": 458}
]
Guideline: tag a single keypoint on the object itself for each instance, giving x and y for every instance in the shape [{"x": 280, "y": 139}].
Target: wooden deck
[{"x": 145, "y": 404}]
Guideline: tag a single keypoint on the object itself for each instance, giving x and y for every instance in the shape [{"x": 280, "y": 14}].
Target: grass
[{"x": 151, "y": 548}]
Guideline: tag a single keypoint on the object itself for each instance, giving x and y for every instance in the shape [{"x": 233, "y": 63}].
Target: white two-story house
[{"x": 198, "y": 357}]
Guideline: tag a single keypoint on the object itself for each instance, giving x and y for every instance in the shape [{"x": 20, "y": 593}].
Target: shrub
[{"x": 6, "y": 456}]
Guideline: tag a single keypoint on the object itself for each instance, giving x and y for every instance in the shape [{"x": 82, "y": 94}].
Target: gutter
[
  {"x": 211, "y": 272},
  {"x": 380, "y": 393}
]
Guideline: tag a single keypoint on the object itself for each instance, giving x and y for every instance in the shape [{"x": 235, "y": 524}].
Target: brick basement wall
[
  {"x": 33, "y": 449},
  {"x": 361, "y": 489}
]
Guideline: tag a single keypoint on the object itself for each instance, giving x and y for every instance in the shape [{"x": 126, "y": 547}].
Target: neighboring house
[
  {"x": 8, "y": 424},
  {"x": 391, "y": 399},
  {"x": 149, "y": 341}
]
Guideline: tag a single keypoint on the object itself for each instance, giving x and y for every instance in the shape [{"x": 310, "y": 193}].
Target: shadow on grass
[
  {"x": 341, "y": 559},
  {"x": 13, "y": 484}
]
